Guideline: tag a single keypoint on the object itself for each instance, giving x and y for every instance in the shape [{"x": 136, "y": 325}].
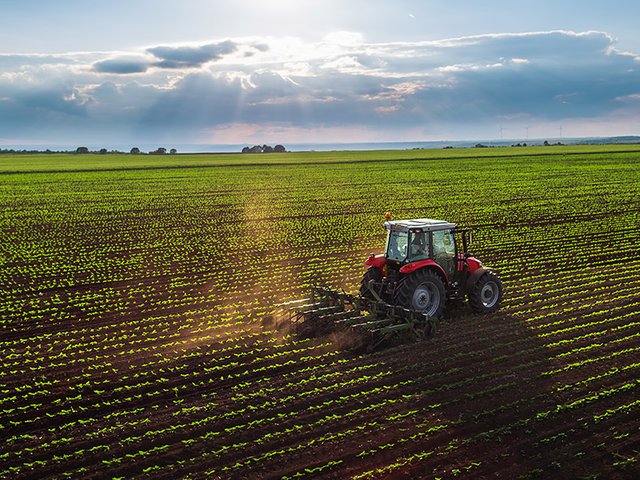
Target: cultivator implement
[{"x": 372, "y": 322}]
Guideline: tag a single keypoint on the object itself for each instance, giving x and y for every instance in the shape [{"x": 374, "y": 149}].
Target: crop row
[{"x": 132, "y": 307}]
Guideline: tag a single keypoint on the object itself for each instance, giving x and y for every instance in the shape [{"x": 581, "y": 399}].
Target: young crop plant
[{"x": 135, "y": 295}]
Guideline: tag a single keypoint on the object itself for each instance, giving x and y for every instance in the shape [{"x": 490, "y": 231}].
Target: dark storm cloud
[
  {"x": 191, "y": 56},
  {"x": 168, "y": 57},
  {"x": 122, "y": 65},
  {"x": 469, "y": 82},
  {"x": 550, "y": 75},
  {"x": 556, "y": 49},
  {"x": 32, "y": 109},
  {"x": 549, "y": 45}
]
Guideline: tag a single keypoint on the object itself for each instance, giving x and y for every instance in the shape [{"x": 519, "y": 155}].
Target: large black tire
[
  {"x": 423, "y": 291},
  {"x": 373, "y": 273},
  {"x": 485, "y": 295}
]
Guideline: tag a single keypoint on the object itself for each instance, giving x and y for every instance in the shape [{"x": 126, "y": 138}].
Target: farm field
[{"x": 133, "y": 291}]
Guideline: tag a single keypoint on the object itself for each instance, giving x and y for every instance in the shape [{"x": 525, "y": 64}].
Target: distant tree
[
  {"x": 264, "y": 149},
  {"x": 173, "y": 151},
  {"x": 135, "y": 151},
  {"x": 546, "y": 143},
  {"x": 103, "y": 151},
  {"x": 82, "y": 150},
  {"x": 159, "y": 151}
]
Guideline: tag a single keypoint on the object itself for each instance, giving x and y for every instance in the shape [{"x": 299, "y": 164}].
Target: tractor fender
[
  {"x": 376, "y": 261},
  {"x": 473, "y": 264},
  {"x": 413, "y": 266},
  {"x": 475, "y": 276}
]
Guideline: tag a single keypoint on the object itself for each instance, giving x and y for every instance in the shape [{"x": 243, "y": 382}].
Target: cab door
[{"x": 444, "y": 251}]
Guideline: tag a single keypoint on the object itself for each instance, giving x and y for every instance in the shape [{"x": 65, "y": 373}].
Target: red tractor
[
  {"x": 405, "y": 289},
  {"x": 426, "y": 263}
]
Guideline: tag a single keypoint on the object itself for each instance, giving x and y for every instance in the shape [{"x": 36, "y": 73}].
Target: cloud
[
  {"x": 459, "y": 87},
  {"x": 344, "y": 38},
  {"x": 191, "y": 56},
  {"x": 18, "y": 61},
  {"x": 123, "y": 65},
  {"x": 169, "y": 57}
]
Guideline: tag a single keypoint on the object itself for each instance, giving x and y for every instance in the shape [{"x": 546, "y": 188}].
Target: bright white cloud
[
  {"x": 236, "y": 90},
  {"x": 350, "y": 39}
]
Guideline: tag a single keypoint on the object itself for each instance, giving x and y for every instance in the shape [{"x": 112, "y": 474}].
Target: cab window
[
  {"x": 419, "y": 245},
  {"x": 397, "y": 246},
  {"x": 444, "y": 250}
]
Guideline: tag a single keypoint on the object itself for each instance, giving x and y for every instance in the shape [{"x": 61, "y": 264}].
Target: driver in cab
[{"x": 419, "y": 247}]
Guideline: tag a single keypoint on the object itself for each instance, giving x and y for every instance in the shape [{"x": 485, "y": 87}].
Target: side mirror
[{"x": 467, "y": 238}]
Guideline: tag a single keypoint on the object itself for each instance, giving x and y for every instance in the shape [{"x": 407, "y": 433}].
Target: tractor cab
[{"x": 420, "y": 240}]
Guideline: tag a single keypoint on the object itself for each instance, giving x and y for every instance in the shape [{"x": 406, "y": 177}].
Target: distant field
[
  {"x": 132, "y": 290},
  {"x": 67, "y": 162}
]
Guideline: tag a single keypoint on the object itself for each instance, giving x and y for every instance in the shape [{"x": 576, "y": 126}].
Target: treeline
[
  {"x": 264, "y": 149},
  {"x": 85, "y": 150}
]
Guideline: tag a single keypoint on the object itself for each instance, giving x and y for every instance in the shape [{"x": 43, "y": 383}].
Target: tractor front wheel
[
  {"x": 423, "y": 291},
  {"x": 485, "y": 295}
]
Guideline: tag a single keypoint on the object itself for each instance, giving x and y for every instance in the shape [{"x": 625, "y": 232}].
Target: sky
[{"x": 104, "y": 73}]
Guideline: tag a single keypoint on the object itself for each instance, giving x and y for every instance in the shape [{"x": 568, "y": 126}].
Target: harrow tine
[
  {"x": 351, "y": 321},
  {"x": 374, "y": 320},
  {"x": 374, "y": 325},
  {"x": 293, "y": 303}
]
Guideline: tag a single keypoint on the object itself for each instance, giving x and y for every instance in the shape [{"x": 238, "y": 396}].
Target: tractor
[
  {"x": 426, "y": 263},
  {"x": 404, "y": 290}
]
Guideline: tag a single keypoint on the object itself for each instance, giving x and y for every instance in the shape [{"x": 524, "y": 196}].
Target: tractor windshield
[{"x": 397, "y": 246}]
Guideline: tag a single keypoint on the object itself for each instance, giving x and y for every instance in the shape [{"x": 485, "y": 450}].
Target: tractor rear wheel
[
  {"x": 485, "y": 295},
  {"x": 373, "y": 273},
  {"x": 423, "y": 291}
]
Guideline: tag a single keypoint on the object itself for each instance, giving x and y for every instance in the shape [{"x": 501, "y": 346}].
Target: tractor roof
[{"x": 418, "y": 224}]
